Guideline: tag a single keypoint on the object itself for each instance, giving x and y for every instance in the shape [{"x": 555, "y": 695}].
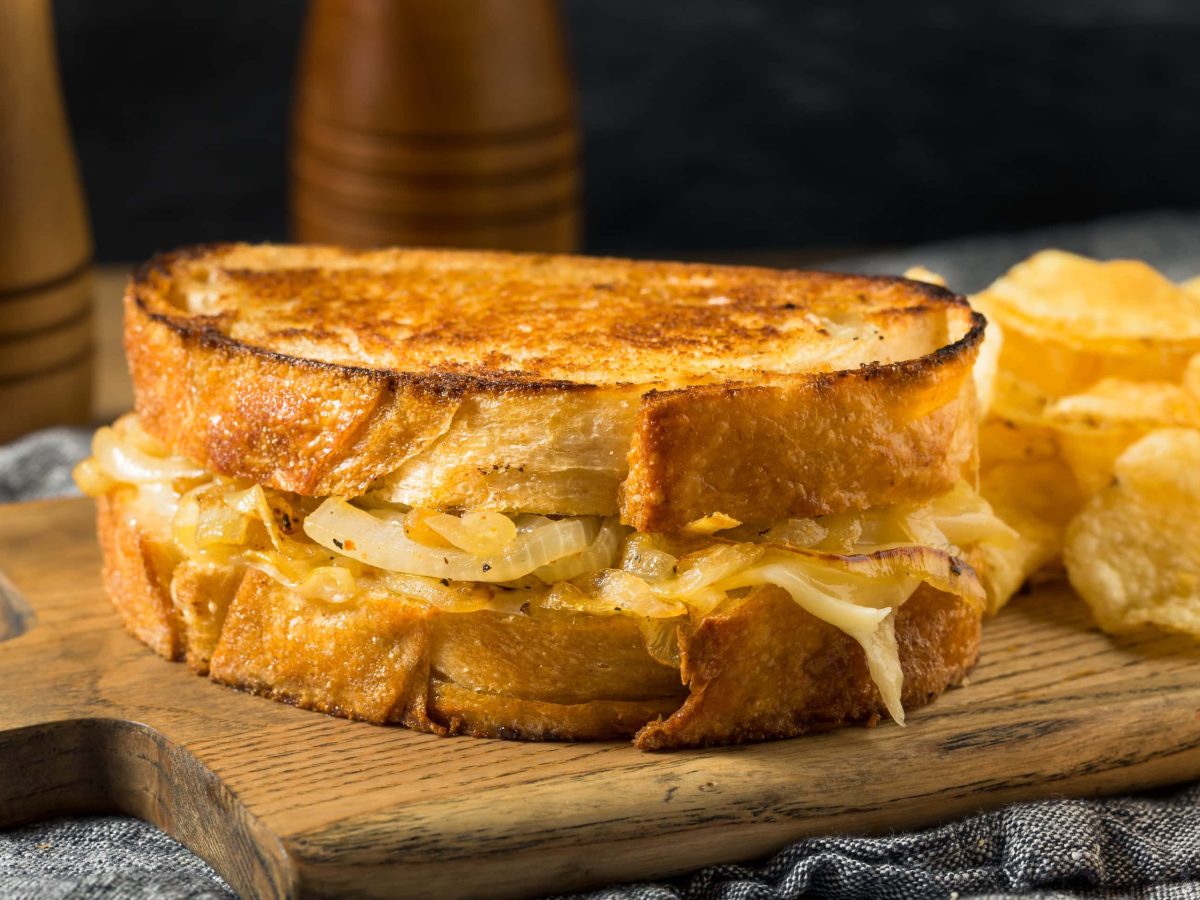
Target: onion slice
[
  {"x": 482, "y": 533},
  {"x": 599, "y": 554},
  {"x": 699, "y": 570},
  {"x": 121, "y": 461},
  {"x": 360, "y": 535}
]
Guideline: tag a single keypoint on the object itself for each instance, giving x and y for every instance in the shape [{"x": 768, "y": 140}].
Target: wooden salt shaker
[
  {"x": 45, "y": 244},
  {"x": 437, "y": 122}
]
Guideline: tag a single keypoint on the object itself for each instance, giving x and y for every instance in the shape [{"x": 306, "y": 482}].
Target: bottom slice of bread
[{"x": 759, "y": 669}]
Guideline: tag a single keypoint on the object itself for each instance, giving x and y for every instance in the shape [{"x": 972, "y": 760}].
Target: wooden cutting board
[{"x": 284, "y": 802}]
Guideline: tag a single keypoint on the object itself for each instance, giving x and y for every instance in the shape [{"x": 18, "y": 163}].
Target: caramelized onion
[
  {"x": 599, "y": 554},
  {"x": 329, "y": 584},
  {"x": 798, "y": 532},
  {"x": 646, "y": 560},
  {"x": 613, "y": 591},
  {"x": 965, "y": 518},
  {"x": 699, "y": 570},
  {"x": 478, "y": 533},
  {"x": 661, "y": 640},
  {"x": 455, "y": 596},
  {"x": 381, "y": 542},
  {"x": 91, "y": 479},
  {"x": 122, "y": 461}
]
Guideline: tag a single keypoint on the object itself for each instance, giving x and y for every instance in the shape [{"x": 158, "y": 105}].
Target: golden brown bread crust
[
  {"x": 511, "y": 718},
  {"x": 202, "y": 596},
  {"x": 137, "y": 575},
  {"x": 848, "y": 440},
  {"x": 299, "y": 368},
  {"x": 769, "y": 669},
  {"x": 764, "y": 669},
  {"x": 364, "y": 661}
]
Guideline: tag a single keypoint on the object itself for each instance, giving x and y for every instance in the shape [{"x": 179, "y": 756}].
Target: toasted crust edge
[{"x": 765, "y": 670}]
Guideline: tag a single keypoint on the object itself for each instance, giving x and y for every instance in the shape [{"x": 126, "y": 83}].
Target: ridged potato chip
[
  {"x": 1095, "y": 427},
  {"x": 1037, "y": 497},
  {"x": 1095, "y": 304},
  {"x": 1070, "y": 321},
  {"x": 1009, "y": 441},
  {"x": 1191, "y": 376},
  {"x": 1133, "y": 553},
  {"x": 1114, "y": 402},
  {"x": 1098, "y": 396},
  {"x": 1030, "y": 487},
  {"x": 987, "y": 367},
  {"x": 920, "y": 273},
  {"x": 1017, "y": 400},
  {"x": 1057, "y": 368}
]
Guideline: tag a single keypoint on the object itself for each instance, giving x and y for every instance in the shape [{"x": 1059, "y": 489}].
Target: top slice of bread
[{"x": 660, "y": 391}]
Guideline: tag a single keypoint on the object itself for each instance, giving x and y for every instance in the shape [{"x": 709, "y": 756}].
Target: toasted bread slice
[
  {"x": 762, "y": 669},
  {"x": 664, "y": 392}
]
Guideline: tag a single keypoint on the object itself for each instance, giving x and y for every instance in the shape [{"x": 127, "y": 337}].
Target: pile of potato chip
[{"x": 1091, "y": 446}]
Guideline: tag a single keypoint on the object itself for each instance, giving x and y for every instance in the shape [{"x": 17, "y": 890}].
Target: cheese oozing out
[{"x": 850, "y": 570}]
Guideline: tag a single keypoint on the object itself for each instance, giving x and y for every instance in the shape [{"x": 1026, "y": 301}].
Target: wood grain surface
[{"x": 285, "y": 802}]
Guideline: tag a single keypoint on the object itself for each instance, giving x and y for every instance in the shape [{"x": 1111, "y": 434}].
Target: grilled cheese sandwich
[{"x": 548, "y": 497}]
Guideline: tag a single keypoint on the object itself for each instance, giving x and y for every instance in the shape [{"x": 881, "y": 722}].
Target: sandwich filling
[{"x": 852, "y": 570}]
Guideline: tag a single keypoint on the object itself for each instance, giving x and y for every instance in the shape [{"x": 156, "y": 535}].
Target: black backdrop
[{"x": 709, "y": 124}]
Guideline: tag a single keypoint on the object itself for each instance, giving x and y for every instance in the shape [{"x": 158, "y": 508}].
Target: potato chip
[
  {"x": 1008, "y": 441},
  {"x": 1056, "y": 368},
  {"x": 1133, "y": 553},
  {"x": 1024, "y": 478},
  {"x": 987, "y": 366},
  {"x": 1191, "y": 376},
  {"x": 1070, "y": 321},
  {"x": 1017, "y": 400},
  {"x": 1093, "y": 303},
  {"x": 920, "y": 273},
  {"x": 1091, "y": 457},
  {"x": 1095, "y": 427},
  {"x": 1037, "y": 499},
  {"x": 1113, "y": 401},
  {"x": 1098, "y": 387}
]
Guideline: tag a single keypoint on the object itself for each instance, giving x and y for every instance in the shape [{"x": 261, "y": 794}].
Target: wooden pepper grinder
[
  {"x": 45, "y": 244},
  {"x": 437, "y": 122}
]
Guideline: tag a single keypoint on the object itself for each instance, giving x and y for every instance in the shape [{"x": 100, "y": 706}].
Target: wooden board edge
[{"x": 106, "y": 766}]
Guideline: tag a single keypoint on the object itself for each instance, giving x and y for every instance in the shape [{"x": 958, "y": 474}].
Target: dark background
[{"x": 709, "y": 124}]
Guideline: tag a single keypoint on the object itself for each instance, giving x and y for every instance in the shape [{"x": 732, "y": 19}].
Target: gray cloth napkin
[
  {"x": 40, "y": 464},
  {"x": 1062, "y": 848},
  {"x": 102, "y": 857},
  {"x": 1144, "y": 847}
]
